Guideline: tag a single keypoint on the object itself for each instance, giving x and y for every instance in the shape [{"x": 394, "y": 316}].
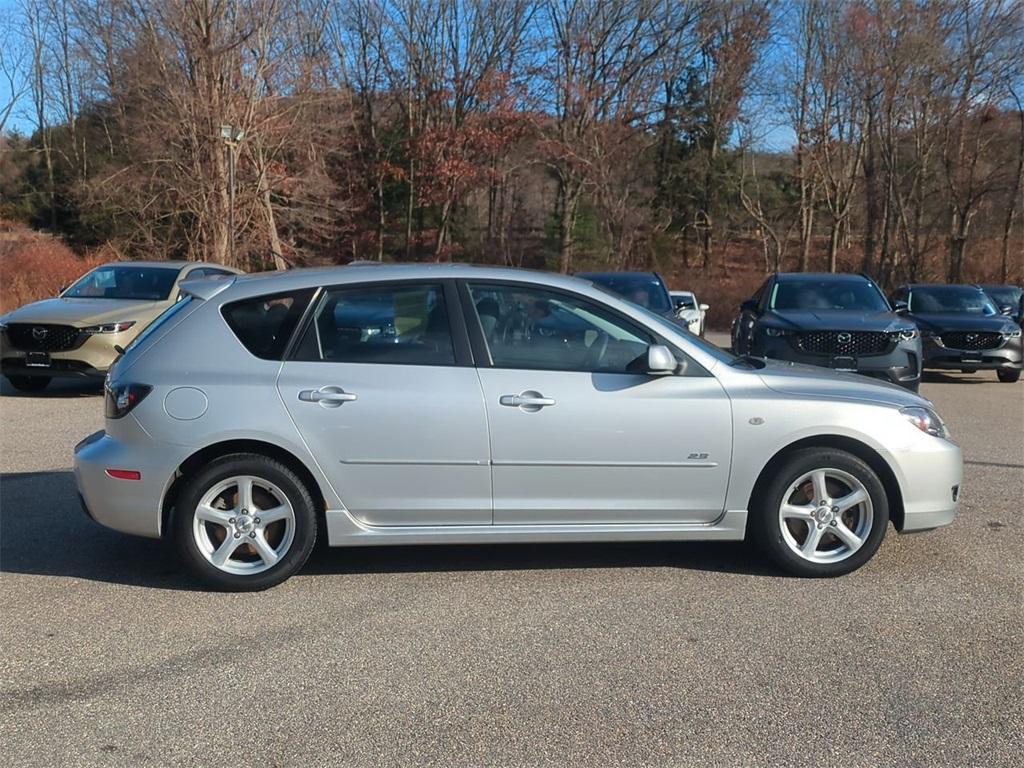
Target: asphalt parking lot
[{"x": 608, "y": 655}]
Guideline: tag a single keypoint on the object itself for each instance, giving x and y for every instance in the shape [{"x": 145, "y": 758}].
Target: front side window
[
  {"x": 264, "y": 324},
  {"x": 827, "y": 294},
  {"x": 527, "y": 327},
  {"x": 394, "y": 324},
  {"x": 119, "y": 281}
]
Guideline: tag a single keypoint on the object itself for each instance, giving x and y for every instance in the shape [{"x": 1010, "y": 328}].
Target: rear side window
[
  {"x": 264, "y": 324},
  {"x": 404, "y": 324}
]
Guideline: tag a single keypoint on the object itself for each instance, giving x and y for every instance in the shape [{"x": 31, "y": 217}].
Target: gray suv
[
  {"x": 381, "y": 405},
  {"x": 838, "y": 321}
]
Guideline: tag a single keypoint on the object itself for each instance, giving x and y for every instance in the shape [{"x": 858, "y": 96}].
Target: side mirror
[
  {"x": 704, "y": 307},
  {"x": 900, "y": 307},
  {"x": 750, "y": 305},
  {"x": 660, "y": 360}
]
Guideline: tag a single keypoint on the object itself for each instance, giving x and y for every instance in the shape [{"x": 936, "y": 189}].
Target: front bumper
[
  {"x": 901, "y": 365},
  {"x": 931, "y": 475},
  {"x": 1010, "y": 356},
  {"x": 88, "y": 360},
  {"x": 129, "y": 506}
]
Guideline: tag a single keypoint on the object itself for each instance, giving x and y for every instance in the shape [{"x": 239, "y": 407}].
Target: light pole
[{"x": 231, "y": 136}]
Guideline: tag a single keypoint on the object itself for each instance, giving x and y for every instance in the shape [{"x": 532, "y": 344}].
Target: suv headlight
[
  {"x": 124, "y": 325},
  {"x": 907, "y": 334},
  {"x": 1011, "y": 334},
  {"x": 776, "y": 332},
  {"x": 926, "y": 420}
]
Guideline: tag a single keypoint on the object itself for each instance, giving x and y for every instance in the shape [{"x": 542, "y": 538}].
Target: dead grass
[{"x": 35, "y": 266}]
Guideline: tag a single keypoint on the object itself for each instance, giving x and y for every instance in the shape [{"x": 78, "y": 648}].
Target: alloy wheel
[{"x": 826, "y": 515}]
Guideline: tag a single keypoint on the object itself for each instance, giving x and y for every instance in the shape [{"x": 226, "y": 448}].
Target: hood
[
  {"x": 962, "y": 321},
  {"x": 813, "y": 381},
  {"x": 836, "y": 320},
  {"x": 689, "y": 314},
  {"x": 85, "y": 312}
]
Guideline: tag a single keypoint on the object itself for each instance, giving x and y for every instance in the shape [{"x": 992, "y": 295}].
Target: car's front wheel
[
  {"x": 823, "y": 512},
  {"x": 29, "y": 383},
  {"x": 1008, "y": 376},
  {"x": 245, "y": 522}
]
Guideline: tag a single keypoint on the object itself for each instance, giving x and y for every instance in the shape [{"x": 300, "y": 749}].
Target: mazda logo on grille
[
  {"x": 844, "y": 338},
  {"x": 972, "y": 337},
  {"x": 40, "y": 333}
]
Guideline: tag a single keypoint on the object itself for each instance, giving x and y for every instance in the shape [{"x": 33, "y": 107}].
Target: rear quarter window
[{"x": 264, "y": 324}]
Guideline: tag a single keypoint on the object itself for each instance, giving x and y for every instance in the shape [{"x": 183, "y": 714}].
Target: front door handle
[
  {"x": 529, "y": 401},
  {"x": 328, "y": 397}
]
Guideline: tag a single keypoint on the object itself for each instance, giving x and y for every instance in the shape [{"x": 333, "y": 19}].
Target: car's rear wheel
[
  {"x": 823, "y": 512},
  {"x": 29, "y": 383},
  {"x": 1008, "y": 377},
  {"x": 245, "y": 522}
]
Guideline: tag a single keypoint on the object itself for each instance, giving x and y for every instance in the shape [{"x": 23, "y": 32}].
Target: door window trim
[
  {"x": 461, "y": 346},
  {"x": 482, "y": 352}
]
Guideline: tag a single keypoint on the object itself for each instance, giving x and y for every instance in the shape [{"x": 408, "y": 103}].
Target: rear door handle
[
  {"x": 328, "y": 397},
  {"x": 528, "y": 401}
]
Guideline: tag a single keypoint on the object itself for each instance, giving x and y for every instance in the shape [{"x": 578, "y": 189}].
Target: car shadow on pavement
[
  {"x": 44, "y": 531},
  {"x": 62, "y": 388},
  {"x": 935, "y": 377}
]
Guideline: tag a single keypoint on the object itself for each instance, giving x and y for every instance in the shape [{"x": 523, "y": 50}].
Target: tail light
[{"x": 120, "y": 399}]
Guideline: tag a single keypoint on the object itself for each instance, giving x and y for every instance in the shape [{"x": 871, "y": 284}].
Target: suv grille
[
  {"x": 43, "y": 338},
  {"x": 844, "y": 342},
  {"x": 972, "y": 339}
]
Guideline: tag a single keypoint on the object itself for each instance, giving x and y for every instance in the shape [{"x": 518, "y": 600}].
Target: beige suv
[{"x": 79, "y": 333}]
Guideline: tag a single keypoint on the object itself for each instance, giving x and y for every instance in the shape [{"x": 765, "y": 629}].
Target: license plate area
[
  {"x": 970, "y": 357},
  {"x": 37, "y": 359},
  {"x": 844, "y": 363}
]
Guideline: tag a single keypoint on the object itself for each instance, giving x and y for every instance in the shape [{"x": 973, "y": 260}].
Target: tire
[
  {"x": 263, "y": 554},
  {"x": 1008, "y": 376},
  {"x": 29, "y": 383},
  {"x": 792, "y": 481}
]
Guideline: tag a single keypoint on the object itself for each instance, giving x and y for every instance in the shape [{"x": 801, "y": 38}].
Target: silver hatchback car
[{"x": 420, "y": 404}]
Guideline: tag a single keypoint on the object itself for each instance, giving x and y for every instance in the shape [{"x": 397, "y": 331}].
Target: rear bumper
[
  {"x": 932, "y": 476},
  {"x": 129, "y": 506}
]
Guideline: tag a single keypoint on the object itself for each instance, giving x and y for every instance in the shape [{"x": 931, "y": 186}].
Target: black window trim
[
  {"x": 298, "y": 293},
  {"x": 456, "y": 323},
  {"x": 482, "y": 353}
]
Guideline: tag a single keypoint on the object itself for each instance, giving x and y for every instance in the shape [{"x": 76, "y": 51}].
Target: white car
[{"x": 689, "y": 311}]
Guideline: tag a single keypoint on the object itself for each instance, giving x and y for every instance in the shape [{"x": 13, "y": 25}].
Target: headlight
[
  {"x": 1012, "y": 334},
  {"x": 109, "y": 327},
  {"x": 926, "y": 420},
  {"x": 907, "y": 334},
  {"x": 775, "y": 332}
]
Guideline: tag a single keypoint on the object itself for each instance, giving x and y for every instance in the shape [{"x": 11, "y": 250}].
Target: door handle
[
  {"x": 328, "y": 397},
  {"x": 528, "y": 401}
]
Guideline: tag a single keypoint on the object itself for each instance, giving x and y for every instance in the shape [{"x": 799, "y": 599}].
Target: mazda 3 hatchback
[
  {"x": 382, "y": 405},
  {"x": 77, "y": 334}
]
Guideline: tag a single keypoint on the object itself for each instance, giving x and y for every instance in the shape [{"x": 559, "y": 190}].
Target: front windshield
[
  {"x": 643, "y": 290},
  {"x": 957, "y": 299},
  {"x": 827, "y": 294},
  {"x": 667, "y": 326},
  {"x": 124, "y": 281}
]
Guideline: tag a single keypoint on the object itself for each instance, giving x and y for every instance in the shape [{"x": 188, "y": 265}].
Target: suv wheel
[
  {"x": 1008, "y": 376},
  {"x": 29, "y": 383},
  {"x": 823, "y": 513},
  {"x": 245, "y": 522}
]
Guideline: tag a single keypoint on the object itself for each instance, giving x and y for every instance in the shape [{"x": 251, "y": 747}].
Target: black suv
[
  {"x": 833, "y": 320},
  {"x": 963, "y": 329},
  {"x": 647, "y": 289}
]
